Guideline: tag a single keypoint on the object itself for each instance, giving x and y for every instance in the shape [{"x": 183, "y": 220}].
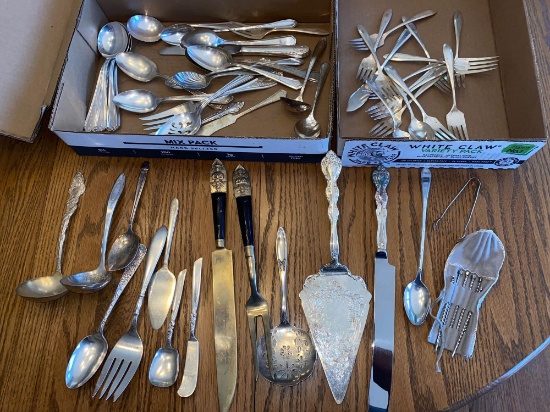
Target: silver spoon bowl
[
  {"x": 420, "y": 130},
  {"x": 145, "y": 28},
  {"x": 172, "y": 35},
  {"x": 112, "y": 39}
]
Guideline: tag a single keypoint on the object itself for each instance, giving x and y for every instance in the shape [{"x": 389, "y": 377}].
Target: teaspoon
[
  {"x": 416, "y": 298},
  {"x": 46, "y": 288},
  {"x": 126, "y": 245},
  {"x": 97, "y": 279},
  {"x": 310, "y": 127}
]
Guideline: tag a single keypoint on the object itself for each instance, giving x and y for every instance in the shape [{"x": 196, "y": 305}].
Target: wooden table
[{"x": 37, "y": 339}]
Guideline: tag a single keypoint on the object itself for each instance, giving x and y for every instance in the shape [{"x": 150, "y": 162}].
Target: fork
[
  {"x": 393, "y": 127},
  {"x": 455, "y": 118},
  {"x": 256, "y": 306},
  {"x": 125, "y": 357}
]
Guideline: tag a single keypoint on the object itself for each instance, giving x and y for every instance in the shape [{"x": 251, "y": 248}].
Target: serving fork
[
  {"x": 125, "y": 357},
  {"x": 455, "y": 118}
]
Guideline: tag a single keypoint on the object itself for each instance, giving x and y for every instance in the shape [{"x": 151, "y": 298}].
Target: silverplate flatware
[
  {"x": 46, "y": 288},
  {"x": 191, "y": 371}
]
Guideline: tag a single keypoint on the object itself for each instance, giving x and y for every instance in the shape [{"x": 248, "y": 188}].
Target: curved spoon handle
[
  {"x": 331, "y": 165},
  {"x": 124, "y": 280},
  {"x": 195, "y": 296},
  {"x": 381, "y": 179},
  {"x": 118, "y": 187},
  {"x": 292, "y": 83},
  {"x": 280, "y": 24},
  {"x": 172, "y": 219},
  {"x": 141, "y": 183},
  {"x": 180, "y": 282},
  {"x": 275, "y": 41},
  {"x": 425, "y": 180},
  {"x": 319, "y": 49},
  {"x": 78, "y": 187},
  {"x": 155, "y": 250},
  {"x": 237, "y": 81},
  {"x": 322, "y": 77},
  {"x": 281, "y": 249}
]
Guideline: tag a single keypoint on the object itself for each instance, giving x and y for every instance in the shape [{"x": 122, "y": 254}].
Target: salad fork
[{"x": 455, "y": 118}]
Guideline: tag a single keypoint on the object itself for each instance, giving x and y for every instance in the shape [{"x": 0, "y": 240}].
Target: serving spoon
[
  {"x": 309, "y": 127},
  {"x": 97, "y": 279},
  {"x": 144, "y": 28},
  {"x": 126, "y": 245},
  {"x": 90, "y": 352},
  {"x": 46, "y": 288}
]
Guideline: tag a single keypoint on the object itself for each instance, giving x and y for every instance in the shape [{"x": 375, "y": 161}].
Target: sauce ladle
[{"x": 97, "y": 279}]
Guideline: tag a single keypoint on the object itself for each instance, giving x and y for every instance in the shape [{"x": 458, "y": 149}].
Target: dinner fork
[
  {"x": 125, "y": 357},
  {"x": 256, "y": 306},
  {"x": 455, "y": 118},
  {"x": 394, "y": 129}
]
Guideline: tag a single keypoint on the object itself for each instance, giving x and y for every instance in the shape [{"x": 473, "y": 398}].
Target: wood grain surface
[{"x": 38, "y": 339}]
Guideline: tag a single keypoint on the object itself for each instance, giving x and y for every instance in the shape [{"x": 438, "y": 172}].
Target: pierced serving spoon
[
  {"x": 207, "y": 37},
  {"x": 46, "y": 288},
  {"x": 416, "y": 298},
  {"x": 125, "y": 247},
  {"x": 310, "y": 127},
  {"x": 90, "y": 352},
  {"x": 97, "y": 279}
]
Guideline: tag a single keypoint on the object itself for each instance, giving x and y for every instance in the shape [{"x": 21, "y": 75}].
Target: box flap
[{"x": 35, "y": 37}]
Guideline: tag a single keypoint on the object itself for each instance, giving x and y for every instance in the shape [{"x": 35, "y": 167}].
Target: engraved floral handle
[
  {"x": 76, "y": 190},
  {"x": 141, "y": 183},
  {"x": 175, "y": 306},
  {"x": 155, "y": 250},
  {"x": 174, "y": 208},
  {"x": 282, "y": 41},
  {"x": 281, "y": 248},
  {"x": 331, "y": 165},
  {"x": 297, "y": 51},
  {"x": 381, "y": 179},
  {"x": 116, "y": 192},
  {"x": 195, "y": 296},
  {"x": 124, "y": 280}
]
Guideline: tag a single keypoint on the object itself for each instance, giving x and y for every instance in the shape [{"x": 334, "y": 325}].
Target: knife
[
  {"x": 225, "y": 328},
  {"x": 213, "y": 127},
  {"x": 191, "y": 371},
  {"x": 384, "y": 303}
]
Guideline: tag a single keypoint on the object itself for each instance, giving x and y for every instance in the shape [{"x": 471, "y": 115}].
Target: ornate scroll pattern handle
[
  {"x": 175, "y": 306},
  {"x": 381, "y": 179},
  {"x": 124, "y": 280},
  {"x": 195, "y": 296},
  {"x": 331, "y": 165},
  {"x": 75, "y": 191}
]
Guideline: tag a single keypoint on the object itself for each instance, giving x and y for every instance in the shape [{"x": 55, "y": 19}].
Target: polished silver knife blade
[
  {"x": 384, "y": 304},
  {"x": 191, "y": 371}
]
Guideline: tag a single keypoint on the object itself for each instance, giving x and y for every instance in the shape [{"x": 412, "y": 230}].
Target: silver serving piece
[
  {"x": 335, "y": 302},
  {"x": 384, "y": 303}
]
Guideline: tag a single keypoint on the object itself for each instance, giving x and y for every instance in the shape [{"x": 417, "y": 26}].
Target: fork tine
[
  {"x": 267, "y": 337},
  {"x": 104, "y": 372},
  {"x": 130, "y": 372},
  {"x": 252, "y": 330},
  {"x": 114, "y": 370},
  {"x": 118, "y": 378}
]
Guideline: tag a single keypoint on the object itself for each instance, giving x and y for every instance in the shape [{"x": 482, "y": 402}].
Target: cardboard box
[
  {"x": 265, "y": 135},
  {"x": 503, "y": 109}
]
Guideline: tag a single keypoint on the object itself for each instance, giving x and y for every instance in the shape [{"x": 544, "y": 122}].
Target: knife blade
[
  {"x": 213, "y": 127},
  {"x": 191, "y": 370},
  {"x": 225, "y": 327},
  {"x": 384, "y": 304}
]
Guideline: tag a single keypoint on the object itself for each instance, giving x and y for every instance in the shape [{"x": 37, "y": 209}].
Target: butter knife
[
  {"x": 191, "y": 371},
  {"x": 384, "y": 303}
]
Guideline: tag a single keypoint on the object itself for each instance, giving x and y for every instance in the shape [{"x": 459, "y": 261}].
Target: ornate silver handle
[
  {"x": 299, "y": 52},
  {"x": 230, "y": 109},
  {"x": 76, "y": 190},
  {"x": 282, "y": 41},
  {"x": 381, "y": 179},
  {"x": 195, "y": 295},
  {"x": 118, "y": 187},
  {"x": 124, "y": 280},
  {"x": 319, "y": 49},
  {"x": 141, "y": 183},
  {"x": 155, "y": 250},
  {"x": 172, "y": 219},
  {"x": 292, "y": 83},
  {"x": 331, "y": 165},
  {"x": 281, "y": 248},
  {"x": 175, "y": 305},
  {"x": 280, "y": 24}
]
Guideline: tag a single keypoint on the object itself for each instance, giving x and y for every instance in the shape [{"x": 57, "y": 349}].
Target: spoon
[
  {"x": 126, "y": 245},
  {"x": 416, "y": 298},
  {"x": 112, "y": 39},
  {"x": 46, "y": 288},
  {"x": 138, "y": 67},
  {"x": 198, "y": 81},
  {"x": 310, "y": 127},
  {"x": 213, "y": 59},
  {"x": 297, "y": 105},
  {"x": 145, "y": 101},
  {"x": 166, "y": 362},
  {"x": 294, "y": 353},
  {"x": 207, "y": 37},
  {"x": 97, "y": 279},
  {"x": 90, "y": 352},
  {"x": 145, "y": 28},
  {"x": 163, "y": 283}
]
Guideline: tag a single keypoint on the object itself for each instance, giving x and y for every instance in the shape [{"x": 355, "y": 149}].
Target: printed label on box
[{"x": 455, "y": 154}]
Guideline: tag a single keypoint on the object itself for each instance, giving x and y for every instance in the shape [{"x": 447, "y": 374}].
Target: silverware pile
[
  {"x": 202, "y": 44},
  {"x": 383, "y": 82}
]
